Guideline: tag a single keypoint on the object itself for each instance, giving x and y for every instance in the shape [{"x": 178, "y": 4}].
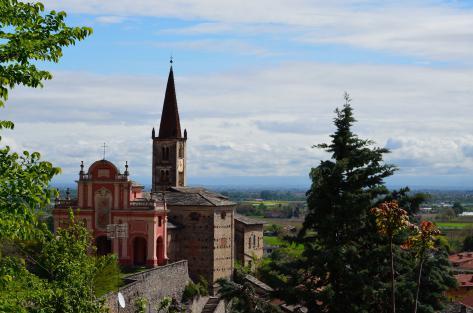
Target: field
[
  {"x": 453, "y": 225},
  {"x": 295, "y": 222},
  {"x": 271, "y": 203}
]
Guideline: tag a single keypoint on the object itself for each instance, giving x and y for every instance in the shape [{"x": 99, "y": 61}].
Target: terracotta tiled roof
[
  {"x": 189, "y": 196},
  {"x": 462, "y": 260},
  {"x": 464, "y": 280},
  {"x": 467, "y": 301},
  {"x": 170, "y": 126}
]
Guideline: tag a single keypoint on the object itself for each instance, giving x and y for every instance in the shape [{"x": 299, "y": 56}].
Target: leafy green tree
[
  {"x": 424, "y": 242},
  {"x": 24, "y": 191},
  {"x": 28, "y": 35},
  {"x": 391, "y": 220},
  {"x": 458, "y": 208},
  {"x": 39, "y": 271},
  {"x": 107, "y": 274},
  {"x": 57, "y": 271},
  {"x": 448, "y": 214},
  {"x": 468, "y": 243}
]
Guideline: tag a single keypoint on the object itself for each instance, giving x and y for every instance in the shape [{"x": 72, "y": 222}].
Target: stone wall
[
  {"x": 153, "y": 285},
  {"x": 220, "y": 307},
  {"x": 197, "y": 305},
  {"x": 457, "y": 308},
  {"x": 205, "y": 240}
]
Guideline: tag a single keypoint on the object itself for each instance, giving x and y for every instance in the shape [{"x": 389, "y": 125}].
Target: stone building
[
  {"x": 169, "y": 147},
  {"x": 107, "y": 198},
  {"x": 201, "y": 222},
  {"x": 248, "y": 240}
]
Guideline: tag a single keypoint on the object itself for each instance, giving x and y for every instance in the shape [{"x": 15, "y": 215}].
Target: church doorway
[
  {"x": 139, "y": 251},
  {"x": 104, "y": 245},
  {"x": 160, "y": 250}
]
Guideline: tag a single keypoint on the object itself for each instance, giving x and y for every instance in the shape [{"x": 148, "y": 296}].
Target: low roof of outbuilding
[{"x": 247, "y": 220}]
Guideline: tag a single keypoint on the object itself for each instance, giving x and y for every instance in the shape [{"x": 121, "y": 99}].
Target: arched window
[
  {"x": 165, "y": 152},
  {"x": 162, "y": 176},
  {"x": 254, "y": 241},
  {"x": 249, "y": 243}
]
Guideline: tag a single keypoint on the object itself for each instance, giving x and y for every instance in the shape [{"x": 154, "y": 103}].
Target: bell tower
[{"x": 169, "y": 147}]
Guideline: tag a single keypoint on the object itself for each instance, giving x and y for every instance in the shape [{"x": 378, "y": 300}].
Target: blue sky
[{"x": 257, "y": 83}]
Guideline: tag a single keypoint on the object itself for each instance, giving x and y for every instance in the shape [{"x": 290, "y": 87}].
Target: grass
[
  {"x": 276, "y": 241},
  {"x": 456, "y": 225},
  {"x": 272, "y": 241}
]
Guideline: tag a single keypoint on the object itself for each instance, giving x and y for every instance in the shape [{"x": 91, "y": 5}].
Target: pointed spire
[{"x": 170, "y": 125}]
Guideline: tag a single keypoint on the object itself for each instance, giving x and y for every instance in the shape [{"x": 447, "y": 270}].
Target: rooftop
[
  {"x": 190, "y": 196},
  {"x": 462, "y": 260},
  {"x": 247, "y": 220},
  {"x": 464, "y": 280}
]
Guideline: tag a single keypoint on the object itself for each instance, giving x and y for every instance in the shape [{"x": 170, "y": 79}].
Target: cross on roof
[{"x": 104, "y": 147}]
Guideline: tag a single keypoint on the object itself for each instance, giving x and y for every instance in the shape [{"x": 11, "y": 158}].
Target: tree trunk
[
  {"x": 393, "y": 290},
  {"x": 419, "y": 275}
]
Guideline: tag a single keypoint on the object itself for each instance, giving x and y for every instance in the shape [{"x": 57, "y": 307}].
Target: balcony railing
[
  {"x": 145, "y": 203},
  {"x": 65, "y": 203},
  {"x": 121, "y": 177}
]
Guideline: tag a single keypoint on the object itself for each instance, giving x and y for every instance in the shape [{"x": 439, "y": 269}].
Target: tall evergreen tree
[
  {"x": 343, "y": 190},
  {"x": 345, "y": 266}
]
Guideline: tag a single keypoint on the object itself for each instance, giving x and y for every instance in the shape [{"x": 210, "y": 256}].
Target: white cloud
[
  {"x": 424, "y": 29},
  {"x": 213, "y": 45},
  {"x": 259, "y": 121},
  {"x": 110, "y": 19}
]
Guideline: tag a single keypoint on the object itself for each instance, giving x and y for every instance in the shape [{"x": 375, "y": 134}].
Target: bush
[
  {"x": 194, "y": 290},
  {"x": 141, "y": 304},
  {"x": 107, "y": 276}
]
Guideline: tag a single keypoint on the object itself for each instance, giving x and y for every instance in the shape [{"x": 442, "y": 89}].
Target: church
[{"x": 173, "y": 222}]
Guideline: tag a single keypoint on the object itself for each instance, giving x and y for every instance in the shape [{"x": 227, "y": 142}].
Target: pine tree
[
  {"x": 335, "y": 228},
  {"x": 346, "y": 266}
]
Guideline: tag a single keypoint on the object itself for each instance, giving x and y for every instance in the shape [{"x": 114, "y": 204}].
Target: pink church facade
[{"x": 109, "y": 200}]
